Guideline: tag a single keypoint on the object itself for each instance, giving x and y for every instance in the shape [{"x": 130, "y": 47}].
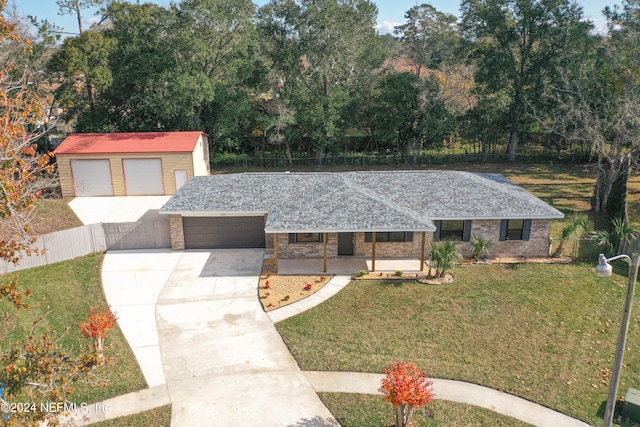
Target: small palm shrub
[
  {"x": 480, "y": 247},
  {"x": 443, "y": 254},
  {"x": 574, "y": 229},
  {"x": 611, "y": 241}
]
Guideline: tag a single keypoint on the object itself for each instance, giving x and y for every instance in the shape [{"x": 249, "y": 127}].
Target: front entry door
[{"x": 346, "y": 244}]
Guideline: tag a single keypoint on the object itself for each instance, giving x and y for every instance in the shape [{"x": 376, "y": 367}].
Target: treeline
[{"x": 313, "y": 78}]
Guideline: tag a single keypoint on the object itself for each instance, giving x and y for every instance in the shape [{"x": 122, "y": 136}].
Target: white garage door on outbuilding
[
  {"x": 92, "y": 177},
  {"x": 143, "y": 177}
]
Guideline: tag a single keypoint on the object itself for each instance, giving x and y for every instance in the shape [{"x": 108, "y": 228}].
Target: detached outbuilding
[{"x": 130, "y": 163}]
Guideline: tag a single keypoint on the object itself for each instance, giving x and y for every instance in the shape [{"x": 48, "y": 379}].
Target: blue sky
[{"x": 390, "y": 12}]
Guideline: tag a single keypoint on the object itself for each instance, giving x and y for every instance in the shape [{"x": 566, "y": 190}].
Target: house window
[
  {"x": 390, "y": 236},
  {"x": 305, "y": 237},
  {"x": 453, "y": 230},
  {"x": 515, "y": 229}
]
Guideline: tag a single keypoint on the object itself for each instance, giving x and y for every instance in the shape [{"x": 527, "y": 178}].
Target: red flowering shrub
[
  {"x": 96, "y": 327},
  {"x": 406, "y": 387}
]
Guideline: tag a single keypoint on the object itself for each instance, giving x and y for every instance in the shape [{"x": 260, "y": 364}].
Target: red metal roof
[{"x": 129, "y": 142}]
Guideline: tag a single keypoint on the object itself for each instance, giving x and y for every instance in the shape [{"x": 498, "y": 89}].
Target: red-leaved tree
[
  {"x": 99, "y": 322},
  {"x": 406, "y": 387}
]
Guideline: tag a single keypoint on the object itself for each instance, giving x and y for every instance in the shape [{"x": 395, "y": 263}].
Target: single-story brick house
[
  {"x": 365, "y": 214},
  {"x": 130, "y": 163}
]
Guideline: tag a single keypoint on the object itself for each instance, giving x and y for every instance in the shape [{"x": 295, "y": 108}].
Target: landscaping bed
[
  {"x": 423, "y": 277},
  {"x": 277, "y": 290}
]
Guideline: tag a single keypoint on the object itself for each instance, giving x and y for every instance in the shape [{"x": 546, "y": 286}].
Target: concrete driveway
[
  {"x": 223, "y": 360},
  {"x": 92, "y": 210}
]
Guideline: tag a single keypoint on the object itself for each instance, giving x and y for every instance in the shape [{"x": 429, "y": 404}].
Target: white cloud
[
  {"x": 90, "y": 21},
  {"x": 386, "y": 27}
]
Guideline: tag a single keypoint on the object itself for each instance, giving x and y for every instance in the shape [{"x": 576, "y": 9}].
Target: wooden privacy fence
[
  {"x": 586, "y": 249},
  {"x": 81, "y": 241},
  {"x": 61, "y": 246},
  {"x": 137, "y": 235}
]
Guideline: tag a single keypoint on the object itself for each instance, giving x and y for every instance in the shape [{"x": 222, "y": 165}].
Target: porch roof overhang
[
  {"x": 348, "y": 230},
  {"x": 345, "y": 209}
]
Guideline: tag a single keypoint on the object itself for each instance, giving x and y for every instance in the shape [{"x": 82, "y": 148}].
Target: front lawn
[
  {"x": 158, "y": 417},
  {"x": 358, "y": 410},
  {"x": 66, "y": 291},
  {"x": 543, "y": 332}
]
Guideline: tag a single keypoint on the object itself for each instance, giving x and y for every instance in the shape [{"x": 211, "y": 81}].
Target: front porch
[
  {"x": 347, "y": 252},
  {"x": 347, "y": 265}
]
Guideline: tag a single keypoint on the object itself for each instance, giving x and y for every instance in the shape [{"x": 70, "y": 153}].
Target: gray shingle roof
[{"x": 359, "y": 201}]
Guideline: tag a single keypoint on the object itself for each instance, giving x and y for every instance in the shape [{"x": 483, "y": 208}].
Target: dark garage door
[{"x": 223, "y": 232}]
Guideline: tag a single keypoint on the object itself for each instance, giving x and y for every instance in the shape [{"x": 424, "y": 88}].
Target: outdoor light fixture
[{"x": 604, "y": 269}]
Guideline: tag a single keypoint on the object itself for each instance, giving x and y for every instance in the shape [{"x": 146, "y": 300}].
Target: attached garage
[
  {"x": 143, "y": 177},
  {"x": 130, "y": 163},
  {"x": 224, "y": 232},
  {"x": 92, "y": 177}
]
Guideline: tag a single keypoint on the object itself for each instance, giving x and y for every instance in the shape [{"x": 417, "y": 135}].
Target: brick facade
[
  {"x": 304, "y": 249},
  {"x": 177, "y": 232},
  {"x": 393, "y": 249},
  {"x": 536, "y": 246},
  {"x": 362, "y": 249}
]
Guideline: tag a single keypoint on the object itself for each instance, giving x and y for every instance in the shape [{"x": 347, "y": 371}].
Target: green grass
[
  {"x": 358, "y": 410},
  {"x": 66, "y": 291},
  {"x": 54, "y": 215},
  {"x": 543, "y": 332},
  {"x": 48, "y": 215},
  {"x": 158, "y": 417}
]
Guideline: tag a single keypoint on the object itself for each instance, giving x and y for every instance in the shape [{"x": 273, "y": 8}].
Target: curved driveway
[{"x": 223, "y": 360}]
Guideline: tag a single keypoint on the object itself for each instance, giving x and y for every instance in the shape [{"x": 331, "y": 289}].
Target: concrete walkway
[
  {"x": 346, "y": 265},
  {"x": 456, "y": 391}
]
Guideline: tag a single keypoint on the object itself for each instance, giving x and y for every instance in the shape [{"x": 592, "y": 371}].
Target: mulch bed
[{"x": 277, "y": 291}]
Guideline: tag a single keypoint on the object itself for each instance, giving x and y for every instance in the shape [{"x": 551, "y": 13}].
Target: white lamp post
[{"x": 604, "y": 269}]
